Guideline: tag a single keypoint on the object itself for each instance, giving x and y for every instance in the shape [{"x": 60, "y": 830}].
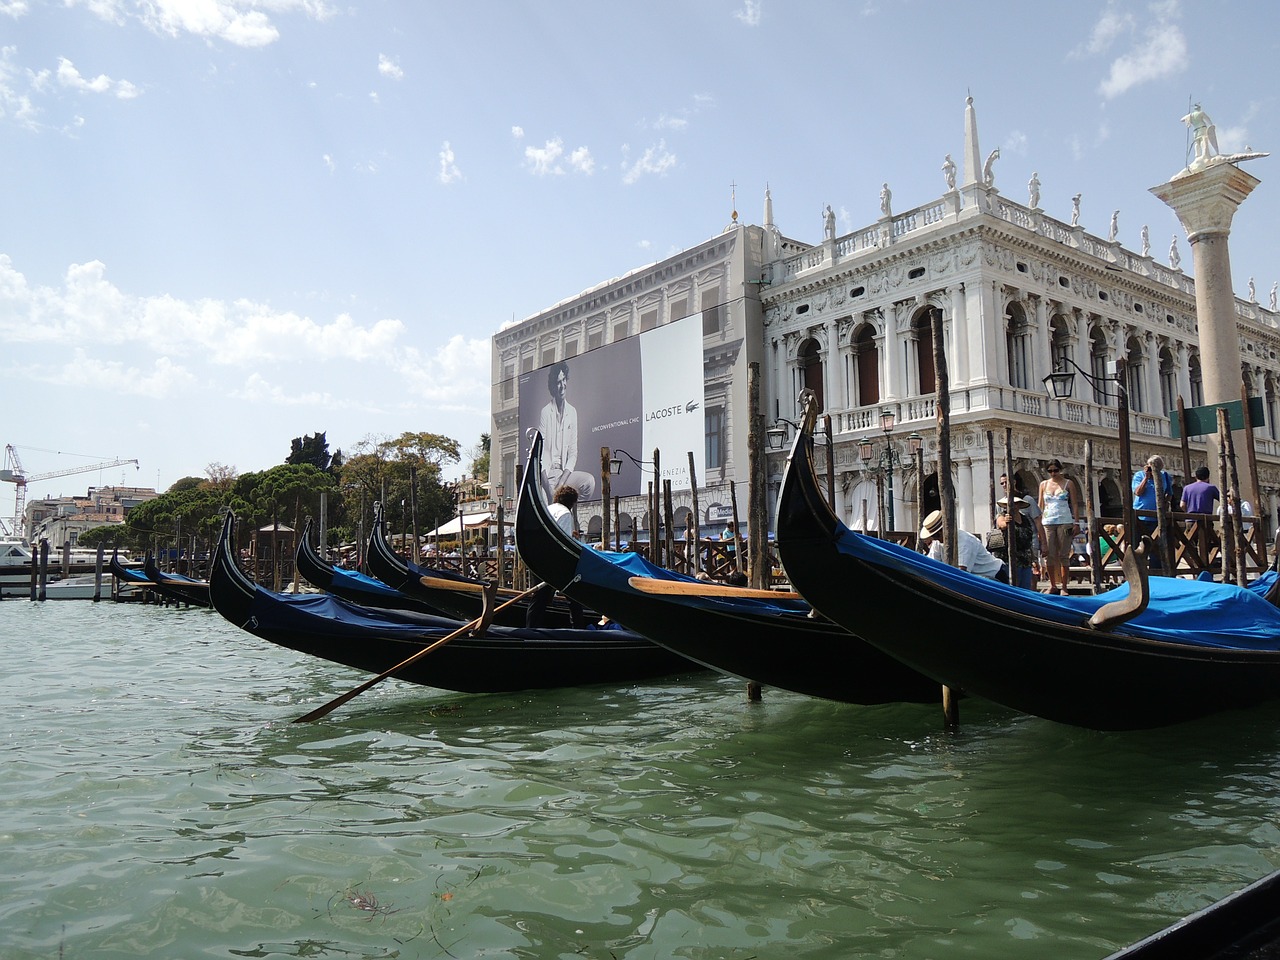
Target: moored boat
[
  {"x": 351, "y": 584},
  {"x": 772, "y": 640},
  {"x": 453, "y": 593},
  {"x": 374, "y": 640},
  {"x": 1242, "y": 926},
  {"x": 1195, "y": 649},
  {"x": 176, "y": 587}
]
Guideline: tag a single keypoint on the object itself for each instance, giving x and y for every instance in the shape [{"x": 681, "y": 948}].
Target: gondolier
[{"x": 971, "y": 555}]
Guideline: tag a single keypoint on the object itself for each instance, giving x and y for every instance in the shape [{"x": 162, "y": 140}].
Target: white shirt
[
  {"x": 971, "y": 555},
  {"x": 563, "y": 517},
  {"x": 560, "y": 434}
]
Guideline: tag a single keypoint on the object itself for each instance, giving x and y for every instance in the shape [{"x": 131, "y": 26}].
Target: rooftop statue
[
  {"x": 1204, "y": 136},
  {"x": 949, "y": 172}
]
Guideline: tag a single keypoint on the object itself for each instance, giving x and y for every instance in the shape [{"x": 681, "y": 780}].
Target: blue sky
[{"x": 227, "y": 223}]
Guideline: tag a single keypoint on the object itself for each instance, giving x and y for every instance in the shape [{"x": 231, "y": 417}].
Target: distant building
[
  {"x": 1019, "y": 294},
  {"x": 62, "y": 519}
]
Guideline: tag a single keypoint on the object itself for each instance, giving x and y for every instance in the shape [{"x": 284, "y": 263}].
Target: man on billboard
[{"x": 558, "y": 424}]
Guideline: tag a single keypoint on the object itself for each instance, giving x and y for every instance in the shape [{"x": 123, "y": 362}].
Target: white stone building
[{"x": 1018, "y": 292}]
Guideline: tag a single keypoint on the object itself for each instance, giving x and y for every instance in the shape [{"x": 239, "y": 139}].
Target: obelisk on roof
[{"x": 972, "y": 154}]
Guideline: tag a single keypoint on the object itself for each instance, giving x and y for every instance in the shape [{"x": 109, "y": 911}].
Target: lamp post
[
  {"x": 888, "y": 457},
  {"x": 1061, "y": 383}
]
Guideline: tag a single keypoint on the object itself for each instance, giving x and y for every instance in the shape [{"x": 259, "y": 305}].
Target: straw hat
[
  {"x": 1017, "y": 502},
  {"x": 932, "y": 526}
]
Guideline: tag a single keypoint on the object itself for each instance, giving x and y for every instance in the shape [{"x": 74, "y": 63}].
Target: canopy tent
[{"x": 474, "y": 521}]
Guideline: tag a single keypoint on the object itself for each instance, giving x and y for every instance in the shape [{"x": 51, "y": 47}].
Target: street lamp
[
  {"x": 888, "y": 457},
  {"x": 1060, "y": 384}
]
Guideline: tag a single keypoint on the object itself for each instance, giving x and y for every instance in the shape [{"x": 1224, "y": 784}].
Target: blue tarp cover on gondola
[{"x": 1180, "y": 611}]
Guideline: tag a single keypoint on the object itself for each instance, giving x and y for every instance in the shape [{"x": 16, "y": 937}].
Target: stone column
[{"x": 1205, "y": 201}]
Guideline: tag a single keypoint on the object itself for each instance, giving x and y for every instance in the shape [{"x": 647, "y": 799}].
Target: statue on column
[
  {"x": 1033, "y": 191},
  {"x": 988, "y": 171},
  {"x": 1204, "y": 135},
  {"x": 949, "y": 172}
]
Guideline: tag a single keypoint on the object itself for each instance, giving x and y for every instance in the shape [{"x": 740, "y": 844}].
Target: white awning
[{"x": 474, "y": 521}]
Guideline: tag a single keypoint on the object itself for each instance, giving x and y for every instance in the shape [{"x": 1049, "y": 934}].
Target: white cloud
[
  {"x": 546, "y": 160},
  {"x": 449, "y": 172},
  {"x": 1159, "y": 52},
  {"x": 582, "y": 161},
  {"x": 257, "y": 389},
  {"x": 328, "y": 162},
  {"x": 244, "y": 23},
  {"x": 459, "y": 369},
  {"x": 1111, "y": 25},
  {"x": 71, "y": 78},
  {"x": 517, "y": 132},
  {"x": 85, "y": 372},
  {"x": 655, "y": 160},
  {"x": 15, "y": 102},
  {"x": 750, "y": 13},
  {"x": 1015, "y": 143},
  {"x": 389, "y": 68},
  {"x": 14, "y": 8},
  {"x": 88, "y": 309}
]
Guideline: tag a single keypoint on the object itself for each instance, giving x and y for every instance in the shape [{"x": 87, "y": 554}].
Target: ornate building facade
[{"x": 1019, "y": 294}]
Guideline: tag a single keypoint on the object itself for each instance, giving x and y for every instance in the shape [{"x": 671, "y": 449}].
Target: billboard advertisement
[{"x": 633, "y": 396}]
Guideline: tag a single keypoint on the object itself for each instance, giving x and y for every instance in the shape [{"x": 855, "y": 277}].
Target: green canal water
[{"x": 156, "y": 800}]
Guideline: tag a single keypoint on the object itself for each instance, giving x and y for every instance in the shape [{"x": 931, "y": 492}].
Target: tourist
[
  {"x": 1015, "y": 526},
  {"x": 971, "y": 555},
  {"x": 1031, "y": 511},
  {"x": 1145, "y": 483},
  {"x": 561, "y": 510},
  {"x": 1200, "y": 495},
  {"x": 1059, "y": 506}
]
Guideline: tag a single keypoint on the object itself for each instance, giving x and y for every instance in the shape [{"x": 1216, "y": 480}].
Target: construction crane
[{"x": 12, "y": 472}]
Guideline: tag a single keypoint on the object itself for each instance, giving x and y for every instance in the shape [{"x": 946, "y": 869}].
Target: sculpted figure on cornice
[
  {"x": 895, "y": 275},
  {"x": 942, "y": 262},
  {"x": 967, "y": 254}
]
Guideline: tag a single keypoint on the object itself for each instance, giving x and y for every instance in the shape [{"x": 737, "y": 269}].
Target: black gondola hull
[{"x": 770, "y": 642}]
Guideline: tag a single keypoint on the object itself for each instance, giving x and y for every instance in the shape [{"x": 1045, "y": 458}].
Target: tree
[
  {"x": 480, "y": 458},
  {"x": 107, "y": 535},
  {"x": 312, "y": 449},
  {"x": 382, "y": 469}
]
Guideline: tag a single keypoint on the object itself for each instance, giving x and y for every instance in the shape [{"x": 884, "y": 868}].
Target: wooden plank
[{"x": 684, "y": 588}]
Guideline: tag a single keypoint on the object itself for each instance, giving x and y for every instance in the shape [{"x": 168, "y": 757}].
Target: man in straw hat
[{"x": 971, "y": 555}]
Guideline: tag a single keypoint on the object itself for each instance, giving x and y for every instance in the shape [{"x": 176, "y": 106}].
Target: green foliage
[
  {"x": 108, "y": 535},
  {"x": 312, "y": 449}
]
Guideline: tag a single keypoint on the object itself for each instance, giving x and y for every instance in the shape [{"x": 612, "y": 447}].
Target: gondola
[
  {"x": 1241, "y": 926},
  {"x": 351, "y": 584},
  {"x": 773, "y": 641},
  {"x": 1196, "y": 649},
  {"x": 373, "y": 640},
  {"x": 131, "y": 576},
  {"x": 456, "y": 595},
  {"x": 175, "y": 587}
]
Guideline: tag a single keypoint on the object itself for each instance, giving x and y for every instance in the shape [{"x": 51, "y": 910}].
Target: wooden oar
[
  {"x": 700, "y": 589},
  {"x": 352, "y": 694},
  {"x": 465, "y": 586}
]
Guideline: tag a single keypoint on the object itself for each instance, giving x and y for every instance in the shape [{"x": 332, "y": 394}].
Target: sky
[{"x": 228, "y": 223}]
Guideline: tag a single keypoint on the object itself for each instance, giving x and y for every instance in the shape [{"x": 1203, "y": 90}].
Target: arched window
[
  {"x": 866, "y": 366},
  {"x": 1168, "y": 381},
  {"x": 1269, "y": 398},
  {"x": 1018, "y": 341},
  {"x": 1133, "y": 379},
  {"x": 809, "y": 359},
  {"x": 1098, "y": 367},
  {"x": 1059, "y": 343},
  {"x": 1197, "y": 383},
  {"x": 922, "y": 328}
]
